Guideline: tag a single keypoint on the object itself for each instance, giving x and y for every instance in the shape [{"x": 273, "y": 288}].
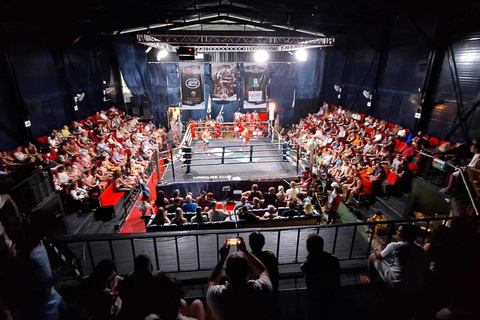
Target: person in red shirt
[
  {"x": 408, "y": 151},
  {"x": 334, "y": 200}
]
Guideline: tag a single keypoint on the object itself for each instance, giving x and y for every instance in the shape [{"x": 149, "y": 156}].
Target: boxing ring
[{"x": 226, "y": 158}]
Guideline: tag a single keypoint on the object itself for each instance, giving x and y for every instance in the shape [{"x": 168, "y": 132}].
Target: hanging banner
[
  {"x": 191, "y": 79},
  {"x": 255, "y": 86},
  {"x": 224, "y": 81}
]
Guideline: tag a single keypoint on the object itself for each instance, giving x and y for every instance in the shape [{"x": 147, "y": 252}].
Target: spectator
[
  {"x": 201, "y": 200},
  {"x": 161, "y": 217},
  {"x": 247, "y": 215},
  {"x": 256, "y": 241},
  {"x": 291, "y": 193},
  {"x": 120, "y": 184},
  {"x": 143, "y": 205},
  {"x": 308, "y": 209},
  {"x": 189, "y": 206},
  {"x": 334, "y": 201},
  {"x": 243, "y": 202},
  {"x": 474, "y": 163},
  {"x": 240, "y": 298},
  {"x": 62, "y": 176},
  {"x": 291, "y": 212},
  {"x": 161, "y": 201},
  {"x": 256, "y": 203},
  {"x": 134, "y": 289},
  {"x": 401, "y": 264},
  {"x": 281, "y": 196},
  {"x": 166, "y": 301},
  {"x": 270, "y": 197},
  {"x": 270, "y": 213},
  {"x": 378, "y": 216},
  {"x": 322, "y": 277},
  {"x": 253, "y": 193},
  {"x": 199, "y": 217},
  {"x": 215, "y": 214},
  {"x": 179, "y": 218},
  {"x": 98, "y": 291}
]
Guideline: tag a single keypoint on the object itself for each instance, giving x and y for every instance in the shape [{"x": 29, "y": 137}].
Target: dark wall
[
  {"x": 12, "y": 132},
  {"x": 466, "y": 57},
  {"x": 391, "y": 62},
  {"x": 47, "y": 77}
]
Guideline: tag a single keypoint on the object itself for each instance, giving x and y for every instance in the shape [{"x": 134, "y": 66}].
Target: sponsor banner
[
  {"x": 255, "y": 85},
  {"x": 255, "y": 96},
  {"x": 224, "y": 82},
  {"x": 191, "y": 77}
]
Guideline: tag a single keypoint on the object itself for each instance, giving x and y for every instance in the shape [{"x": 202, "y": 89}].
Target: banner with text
[
  {"x": 191, "y": 77},
  {"x": 255, "y": 86},
  {"x": 224, "y": 81}
]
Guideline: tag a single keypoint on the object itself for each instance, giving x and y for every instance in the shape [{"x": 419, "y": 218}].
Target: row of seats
[{"x": 231, "y": 224}]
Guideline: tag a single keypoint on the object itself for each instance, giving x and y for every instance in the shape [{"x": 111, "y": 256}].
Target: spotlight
[
  {"x": 148, "y": 50},
  {"x": 301, "y": 55},
  {"x": 162, "y": 54},
  {"x": 271, "y": 110},
  {"x": 261, "y": 56}
]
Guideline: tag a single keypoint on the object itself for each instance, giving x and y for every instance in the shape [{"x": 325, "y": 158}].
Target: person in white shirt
[
  {"x": 19, "y": 155},
  {"x": 401, "y": 264},
  {"x": 62, "y": 176},
  {"x": 474, "y": 163},
  {"x": 292, "y": 192},
  {"x": 378, "y": 137}
]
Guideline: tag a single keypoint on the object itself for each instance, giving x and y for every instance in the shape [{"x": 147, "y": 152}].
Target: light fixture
[
  {"x": 261, "y": 56},
  {"x": 369, "y": 96},
  {"x": 339, "y": 90},
  {"x": 78, "y": 97},
  {"x": 148, "y": 50},
  {"x": 301, "y": 55},
  {"x": 162, "y": 54},
  {"x": 271, "y": 110}
]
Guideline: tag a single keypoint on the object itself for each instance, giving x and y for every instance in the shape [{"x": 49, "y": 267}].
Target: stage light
[
  {"x": 301, "y": 55},
  {"x": 271, "y": 110},
  {"x": 162, "y": 54},
  {"x": 148, "y": 50},
  {"x": 261, "y": 56}
]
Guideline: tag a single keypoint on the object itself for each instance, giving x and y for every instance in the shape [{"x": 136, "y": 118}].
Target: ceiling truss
[{"x": 212, "y": 43}]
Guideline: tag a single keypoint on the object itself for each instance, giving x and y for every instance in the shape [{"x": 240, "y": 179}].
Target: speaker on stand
[{"x": 135, "y": 106}]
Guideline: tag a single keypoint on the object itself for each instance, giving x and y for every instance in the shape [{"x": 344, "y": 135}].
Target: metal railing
[
  {"x": 462, "y": 193},
  {"x": 187, "y": 251},
  {"x": 33, "y": 190}
]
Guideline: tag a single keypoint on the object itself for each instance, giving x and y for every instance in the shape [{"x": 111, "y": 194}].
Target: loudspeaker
[
  {"x": 105, "y": 213},
  {"x": 135, "y": 105},
  {"x": 146, "y": 110}
]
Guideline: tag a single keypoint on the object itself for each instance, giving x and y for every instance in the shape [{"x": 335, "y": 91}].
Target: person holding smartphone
[{"x": 240, "y": 298}]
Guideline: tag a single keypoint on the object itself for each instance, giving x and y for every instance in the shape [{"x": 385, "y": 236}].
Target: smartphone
[{"x": 233, "y": 241}]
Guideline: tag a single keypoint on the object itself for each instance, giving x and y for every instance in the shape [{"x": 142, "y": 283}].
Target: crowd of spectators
[
  {"x": 360, "y": 152},
  {"x": 87, "y": 156}
]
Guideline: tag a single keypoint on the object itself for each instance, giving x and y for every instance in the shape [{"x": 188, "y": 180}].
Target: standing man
[
  {"x": 206, "y": 139},
  {"x": 240, "y": 298},
  {"x": 322, "y": 277}
]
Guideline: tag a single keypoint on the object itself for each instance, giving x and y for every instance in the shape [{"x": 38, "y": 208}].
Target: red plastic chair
[
  {"x": 433, "y": 141},
  {"x": 413, "y": 168},
  {"x": 400, "y": 146}
]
